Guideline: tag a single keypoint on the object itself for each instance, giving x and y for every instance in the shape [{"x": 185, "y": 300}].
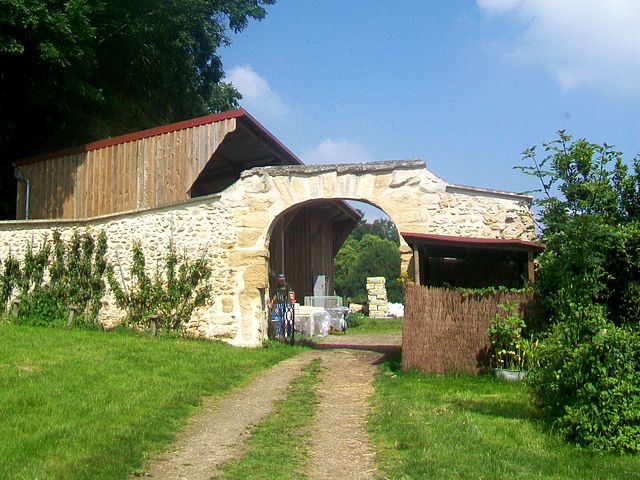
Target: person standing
[{"x": 281, "y": 309}]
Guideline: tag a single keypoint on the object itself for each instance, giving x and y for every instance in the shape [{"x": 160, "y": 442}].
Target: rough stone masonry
[{"x": 231, "y": 230}]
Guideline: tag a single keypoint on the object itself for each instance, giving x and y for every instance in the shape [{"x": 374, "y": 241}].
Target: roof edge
[
  {"x": 270, "y": 136},
  {"x": 489, "y": 192},
  {"x": 137, "y": 135},
  {"x": 474, "y": 241}
]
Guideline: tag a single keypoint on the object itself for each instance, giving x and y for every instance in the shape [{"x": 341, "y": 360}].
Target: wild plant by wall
[{"x": 172, "y": 293}]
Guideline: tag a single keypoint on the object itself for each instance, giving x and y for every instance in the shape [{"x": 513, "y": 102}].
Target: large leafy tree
[
  {"x": 588, "y": 379},
  {"x": 590, "y": 221},
  {"x": 73, "y": 71},
  {"x": 381, "y": 227}
]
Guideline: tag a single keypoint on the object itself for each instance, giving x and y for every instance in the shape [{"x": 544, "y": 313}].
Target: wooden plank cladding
[{"x": 132, "y": 172}]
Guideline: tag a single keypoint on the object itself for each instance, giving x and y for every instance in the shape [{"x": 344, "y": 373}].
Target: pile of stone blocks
[{"x": 377, "y": 293}]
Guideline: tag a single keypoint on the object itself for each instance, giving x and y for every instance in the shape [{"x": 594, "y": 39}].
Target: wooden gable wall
[{"x": 137, "y": 174}]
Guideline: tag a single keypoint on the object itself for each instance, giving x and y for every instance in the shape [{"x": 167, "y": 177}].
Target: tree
[
  {"x": 369, "y": 256},
  {"x": 590, "y": 220},
  {"x": 73, "y": 71},
  {"x": 588, "y": 379},
  {"x": 381, "y": 227}
]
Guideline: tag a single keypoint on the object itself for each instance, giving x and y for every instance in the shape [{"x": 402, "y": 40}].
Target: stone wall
[
  {"x": 232, "y": 229},
  {"x": 197, "y": 228}
]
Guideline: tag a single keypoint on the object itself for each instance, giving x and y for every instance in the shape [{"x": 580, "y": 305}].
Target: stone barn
[{"x": 223, "y": 187}]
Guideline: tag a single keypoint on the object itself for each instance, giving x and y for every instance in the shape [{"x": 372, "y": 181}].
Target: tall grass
[
  {"x": 93, "y": 405},
  {"x": 440, "y": 427}
]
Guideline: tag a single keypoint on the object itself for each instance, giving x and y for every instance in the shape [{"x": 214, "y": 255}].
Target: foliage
[
  {"x": 56, "y": 277},
  {"x": 473, "y": 426},
  {"x": 380, "y": 227},
  {"x": 81, "y": 404},
  {"x": 9, "y": 279},
  {"x": 76, "y": 71},
  {"x": 76, "y": 274},
  {"x": 368, "y": 257},
  {"x": 505, "y": 336},
  {"x": 589, "y": 382},
  {"x": 589, "y": 213},
  {"x": 172, "y": 293},
  {"x": 588, "y": 379},
  {"x": 484, "y": 290}
]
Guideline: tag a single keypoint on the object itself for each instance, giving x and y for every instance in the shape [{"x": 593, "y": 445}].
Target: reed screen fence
[{"x": 445, "y": 331}]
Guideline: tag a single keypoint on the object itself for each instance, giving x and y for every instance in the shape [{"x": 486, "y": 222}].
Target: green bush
[
  {"x": 370, "y": 256},
  {"x": 588, "y": 281},
  {"x": 172, "y": 293},
  {"x": 505, "y": 335},
  {"x": 588, "y": 380},
  {"x": 56, "y": 277}
]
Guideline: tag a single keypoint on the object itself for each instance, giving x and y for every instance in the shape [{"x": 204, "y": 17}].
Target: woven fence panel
[{"x": 445, "y": 331}]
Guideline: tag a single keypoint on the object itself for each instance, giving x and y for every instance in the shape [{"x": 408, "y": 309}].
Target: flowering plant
[{"x": 505, "y": 336}]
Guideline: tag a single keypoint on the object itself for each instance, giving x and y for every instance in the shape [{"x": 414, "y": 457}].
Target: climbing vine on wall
[
  {"x": 55, "y": 278},
  {"x": 177, "y": 287}
]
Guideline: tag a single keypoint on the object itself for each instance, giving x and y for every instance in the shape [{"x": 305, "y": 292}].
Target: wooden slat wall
[
  {"x": 308, "y": 251},
  {"x": 139, "y": 174}
]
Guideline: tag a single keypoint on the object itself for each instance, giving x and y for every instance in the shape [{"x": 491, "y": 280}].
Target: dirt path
[
  {"x": 385, "y": 338},
  {"x": 339, "y": 443},
  {"x": 215, "y": 434}
]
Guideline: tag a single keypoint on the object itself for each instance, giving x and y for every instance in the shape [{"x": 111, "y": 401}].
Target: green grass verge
[
  {"x": 359, "y": 323},
  {"x": 93, "y": 405},
  {"x": 278, "y": 446},
  {"x": 440, "y": 427}
]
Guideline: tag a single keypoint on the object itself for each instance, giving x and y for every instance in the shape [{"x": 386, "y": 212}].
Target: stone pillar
[{"x": 377, "y": 295}]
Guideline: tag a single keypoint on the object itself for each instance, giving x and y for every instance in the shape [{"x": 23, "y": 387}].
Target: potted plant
[{"x": 510, "y": 353}]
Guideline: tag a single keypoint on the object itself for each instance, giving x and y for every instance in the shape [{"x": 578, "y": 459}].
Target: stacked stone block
[{"x": 377, "y": 293}]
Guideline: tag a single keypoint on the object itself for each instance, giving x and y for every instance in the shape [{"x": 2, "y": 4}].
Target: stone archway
[
  {"x": 232, "y": 229},
  {"x": 415, "y": 199}
]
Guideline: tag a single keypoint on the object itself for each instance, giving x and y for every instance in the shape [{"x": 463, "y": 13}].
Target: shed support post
[
  {"x": 530, "y": 268},
  {"x": 416, "y": 265}
]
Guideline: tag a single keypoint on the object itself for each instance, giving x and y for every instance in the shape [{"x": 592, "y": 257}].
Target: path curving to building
[
  {"x": 339, "y": 444},
  {"x": 340, "y": 447},
  {"x": 216, "y": 433}
]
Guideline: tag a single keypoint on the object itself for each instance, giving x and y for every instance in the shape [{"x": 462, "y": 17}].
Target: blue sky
[{"x": 464, "y": 85}]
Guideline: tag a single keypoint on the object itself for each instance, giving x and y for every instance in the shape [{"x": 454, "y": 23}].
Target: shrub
[
  {"x": 172, "y": 293},
  {"x": 9, "y": 280},
  {"x": 56, "y": 277},
  {"x": 505, "y": 335},
  {"x": 588, "y": 380},
  {"x": 588, "y": 281}
]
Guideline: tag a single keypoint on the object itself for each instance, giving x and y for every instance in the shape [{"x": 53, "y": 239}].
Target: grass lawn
[
  {"x": 432, "y": 426},
  {"x": 92, "y": 405},
  {"x": 359, "y": 323},
  {"x": 279, "y": 445}
]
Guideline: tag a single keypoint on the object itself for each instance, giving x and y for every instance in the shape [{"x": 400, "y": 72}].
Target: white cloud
[
  {"x": 257, "y": 94},
  {"x": 592, "y": 43},
  {"x": 497, "y": 6},
  {"x": 336, "y": 151}
]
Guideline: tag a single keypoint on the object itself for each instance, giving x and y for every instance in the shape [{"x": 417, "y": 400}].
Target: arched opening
[
  {"x": 371, "y": 250},
  {"x": 304, "y": 243}
]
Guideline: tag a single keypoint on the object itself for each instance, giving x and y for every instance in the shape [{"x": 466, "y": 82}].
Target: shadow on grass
[{"x": 498, "y": 407}]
